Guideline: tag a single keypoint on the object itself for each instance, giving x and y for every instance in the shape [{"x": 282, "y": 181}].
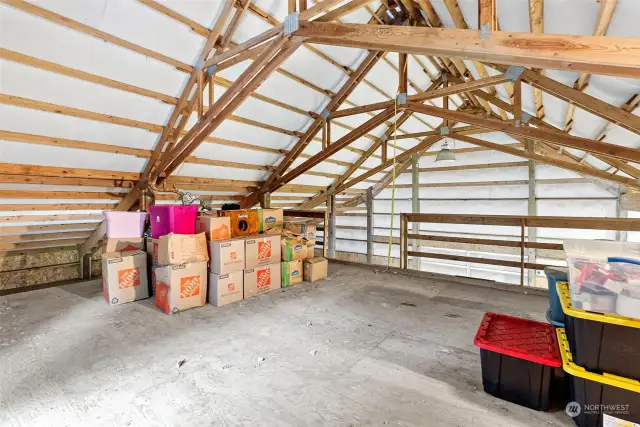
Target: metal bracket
[
  {"x": 402, "y": 98},
  {"x": 291, "y": 23},
  {"x": 384, "y": 138},
  {"x": 444, "y": 130},
  {"x": 513, "y": 72},
  {"x": 445, "y": 77},
  {"x": 526, "y": 117},
  {"x": 484, "y": 31},
  {"x": 199, "y": 65},
  {"x": 326, "y": 116},
  {"x": 211, "y": 70},
  {"x": 517, "y": 123}
]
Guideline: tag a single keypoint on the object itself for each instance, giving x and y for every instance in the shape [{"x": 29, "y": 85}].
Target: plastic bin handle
[{"x": 621, "y": 259}]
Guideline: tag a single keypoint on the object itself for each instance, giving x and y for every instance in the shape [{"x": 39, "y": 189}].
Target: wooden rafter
[{"x": 615, "y": 56}]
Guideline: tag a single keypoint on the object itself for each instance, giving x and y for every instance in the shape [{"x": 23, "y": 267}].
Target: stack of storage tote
[{"x": 601, "y": 353}]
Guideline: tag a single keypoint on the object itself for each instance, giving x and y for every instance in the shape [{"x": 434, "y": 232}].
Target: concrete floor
[{"x": 359, "y": 348}]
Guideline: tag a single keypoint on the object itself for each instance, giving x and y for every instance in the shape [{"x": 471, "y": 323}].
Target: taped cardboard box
[
  {"x": 271, "y": 221},
  {"x": 261, "y": 250},
  {"x": 260, "y": 280},
  {"x": 311, "y": 248},
  {"x": 124, "y": 276},
  {"x": 227, "y": 256},
  {"x": 293, "y": 249},
  {"x": 291, "y": 273},
  {"x": 243, "y": 222},
  {"x": 315, "y": 269},
  {"x": 214, "y": 227},
  {"x": 181, "y": 287},
  {"x": 129, "y": 244},
  {"x": 176, "y": 249},
  {"x": 226, "y": 288},
  {"x": 302, "y": 228}
]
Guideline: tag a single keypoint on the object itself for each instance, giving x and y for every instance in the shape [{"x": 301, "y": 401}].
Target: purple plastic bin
[{"x": 175, "y": 219}]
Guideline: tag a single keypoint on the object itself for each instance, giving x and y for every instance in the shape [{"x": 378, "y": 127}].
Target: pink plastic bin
[
  {"x": 125, "y": 224},
  {"x": 176, "y": 219}
]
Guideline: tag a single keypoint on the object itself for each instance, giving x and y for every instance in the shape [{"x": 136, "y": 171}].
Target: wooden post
[
  {"x": 404, "y": 247},
  {"x": 621, "y": 236},
  {"x": 532, "y": 211},
  {"x": 415, "y": 206},
  {"x": 200, "y": 94},
  {"x": 331, "y": 253},
  {"x": 265, "y": 201},
  {"x": 292, "y": 6},
  {"x": 324, "y": 135},
  {"x": 370, "y": 225},
  {"x": 303, "y": 5},
  {"x": 517, "y": 102},
  {"x": 328, "y": 133},
  {"x": 324, "y": 233},
  {"x": 402, "y": 73},
  {"x": 211, "y": 89},
  {"x": 383, "y": 154},
  {"x": 522, "y": 252},
  {"x": 488, "y": 14}
]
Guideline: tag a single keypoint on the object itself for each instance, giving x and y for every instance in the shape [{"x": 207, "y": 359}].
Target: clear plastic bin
[{"x": 604, "y": 277}]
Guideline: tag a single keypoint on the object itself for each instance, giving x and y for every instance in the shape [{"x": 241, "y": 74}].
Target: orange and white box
[
  {"x": 124, "y": 276},
  {"x": 226, "y": 288},
  {"x": 261, "y": 250},
  {"x": 260, "y": 280},
  {"x": 227, "y": 256},
  {"x": 181, "y": 287}
]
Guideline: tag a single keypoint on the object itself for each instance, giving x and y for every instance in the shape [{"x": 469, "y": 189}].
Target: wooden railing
[
  {"x": 617, "y": 224},
  {"x": 320, "y": 216}
]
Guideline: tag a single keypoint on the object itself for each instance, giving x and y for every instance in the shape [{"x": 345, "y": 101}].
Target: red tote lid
[{"x": 520, "y": 338}]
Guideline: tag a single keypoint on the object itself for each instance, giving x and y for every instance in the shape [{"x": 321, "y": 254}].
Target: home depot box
[
  {"x": 226, "y": 288},
  {"x": 291, "y": 273},
  {"x": 243, "y": 222},
  {"x": 214, "y": 227},
  {"x": 182, "y": 248},
  {"x": 261, "y": 250},
  {"x": 260, "y": 280},
  {"x": 293, "y": 249},
  {"x": 124, "y": 276},
  {"x": 227, "y": 256},
  {"x": 128, "y": 244},
  {"x": 302, "y": 228},
  {"x": 271, "y": 220},
  {"x": 315, "y": 269},
  {"x": 180, "y": 287}
]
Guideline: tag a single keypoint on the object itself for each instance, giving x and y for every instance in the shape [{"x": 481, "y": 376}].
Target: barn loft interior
[{"x": 320, "y": 213}]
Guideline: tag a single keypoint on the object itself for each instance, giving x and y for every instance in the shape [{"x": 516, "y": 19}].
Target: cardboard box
[
  {"x": 302, "y": 228},
  {"x": 124, "y": 276},
  {"x": 293, "y": 249},
  {"x": 260, "y": 280},
  {"x": 271, "y": 221},
  {"x": 291, "y": 273},
  {"x": 128, "y": 244},
  {"x": 152, "y": 250},
  {"x": 176, "y": 249},
  {"x": 227, "y": 256},
  {"x": 243, "y": 222},
  {"x": 180, "y": 287},
  {"x": 214, "y": 227},
  {"x": 261, "y": 250},
  {"x": 226, "y": 288},
  {"x": 315, "y": 269}
]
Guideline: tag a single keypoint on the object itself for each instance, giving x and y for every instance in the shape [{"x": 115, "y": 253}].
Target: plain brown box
[
  {"x": 227, "y": 256},
  {"x": 226, "y": 288},
  {"x": 315, "y": 269},
  {"x": 271, "y": 221},
  {"x": 124, "y": 276},
  {"x": 260, "y": 280},
  {"x": 180, "y": 287},
  {"x": 261, "y": 250},
  {"x": 174, "y": 249}
]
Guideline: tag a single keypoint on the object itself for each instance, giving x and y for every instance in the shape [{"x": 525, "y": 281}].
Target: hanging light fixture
[{"x": 446, "y": 154}]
